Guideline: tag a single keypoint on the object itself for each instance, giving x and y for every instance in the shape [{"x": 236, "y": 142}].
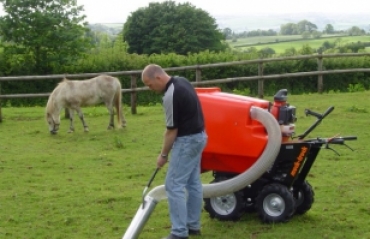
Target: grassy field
[
  {"x": 269, "y": 39},
  {"x": 293, "y": 41},
  {"x": 89, "y": 185}
]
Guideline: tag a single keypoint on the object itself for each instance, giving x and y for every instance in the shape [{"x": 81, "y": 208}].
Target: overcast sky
[{"x": 117, "y": 11}]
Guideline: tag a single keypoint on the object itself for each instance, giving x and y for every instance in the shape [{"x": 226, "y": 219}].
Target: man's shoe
[
  {"x": 171, "y": 236},
  {"x": 194, "y": 232}
]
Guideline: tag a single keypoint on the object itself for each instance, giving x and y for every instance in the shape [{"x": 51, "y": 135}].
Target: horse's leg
[
  {"x": 111, "y": 115},
  {"x": 71, "y": 116},
  {"x": 81, "y": 116},
  {"x": 123, "y": 118}
]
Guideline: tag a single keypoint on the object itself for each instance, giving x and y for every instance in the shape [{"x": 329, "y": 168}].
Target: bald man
[{"x": 185, "y": 138}]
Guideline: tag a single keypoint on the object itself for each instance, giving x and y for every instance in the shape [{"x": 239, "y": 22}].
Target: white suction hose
[{"x": 221, "y": 188}]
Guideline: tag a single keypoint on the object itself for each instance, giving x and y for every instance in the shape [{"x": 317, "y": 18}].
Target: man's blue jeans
[{"x": 184, "y": 173}]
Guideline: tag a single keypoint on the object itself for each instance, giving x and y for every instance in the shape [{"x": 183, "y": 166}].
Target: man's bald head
[{"x": 155, "y": 77}]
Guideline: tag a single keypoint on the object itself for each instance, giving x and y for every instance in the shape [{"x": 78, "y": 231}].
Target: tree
[
  {"x": 266, "y": 52},
  {"x": 306, "y": 50},
  {"x": 271, "y": 32},
  {"x": 316, "y": 34},
  {"x": 51, "y": 32},
  {"x": 228, "y": 33},
  {"x": 166, "y": 27},
  {"x": 291, "y": 51},
  {"x": 289, "y": 29},
  {"x": 356, "y": 31},
  {"x": 260, "y": 32},
  {"x": 329, "y": 29},
  {"x": 305, "y": 26},
  {"x": 327, "y": 45}
]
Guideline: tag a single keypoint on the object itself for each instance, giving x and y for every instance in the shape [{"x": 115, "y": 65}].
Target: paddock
[{"x": 89, "y": 185}]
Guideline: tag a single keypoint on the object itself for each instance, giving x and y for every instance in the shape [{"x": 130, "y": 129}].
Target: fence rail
[{"x": 198, "y": 81}]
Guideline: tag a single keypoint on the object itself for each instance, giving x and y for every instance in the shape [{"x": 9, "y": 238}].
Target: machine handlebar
[
  {"x": 333, "y": 140},
  {"x": 319, "y": 117},
  {"x": 350, "y": 137},
  {"x": 324, "y": 141},
  {"x": 341, "y": 140},
  {"x": 328, "y": 111}
]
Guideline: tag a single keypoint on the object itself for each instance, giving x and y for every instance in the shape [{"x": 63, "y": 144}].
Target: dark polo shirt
[{"x": 182, "y": 107}]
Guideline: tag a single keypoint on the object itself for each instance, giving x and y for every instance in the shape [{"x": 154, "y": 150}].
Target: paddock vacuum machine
[{"x": 257, "y": 162}]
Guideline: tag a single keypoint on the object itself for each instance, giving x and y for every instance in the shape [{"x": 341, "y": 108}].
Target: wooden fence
[{"x": 198, "y": 73}]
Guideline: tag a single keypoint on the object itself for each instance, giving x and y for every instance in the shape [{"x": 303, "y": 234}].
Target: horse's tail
[{"x": 118, "y": 104}]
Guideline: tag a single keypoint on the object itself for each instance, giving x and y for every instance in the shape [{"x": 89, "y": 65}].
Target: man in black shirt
[{"x": 186, "y": 139}]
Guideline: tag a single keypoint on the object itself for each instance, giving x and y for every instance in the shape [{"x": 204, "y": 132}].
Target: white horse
[{"x": 74, "y": 94}]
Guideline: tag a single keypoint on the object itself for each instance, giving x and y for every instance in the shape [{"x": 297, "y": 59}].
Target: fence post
[
  {"x": 320, "y": 81},
  {"x": 198, "y": 75},
  {"x": 260, "y": 81},
  {"x": 133, "y": 94},
  {"x": 1, "y": 115}
]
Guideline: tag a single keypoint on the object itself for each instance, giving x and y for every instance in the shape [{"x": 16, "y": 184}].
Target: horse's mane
[
  {"x": 60, "y": 85},
  {"x": 51, "y": 101},
  {"x": 64, "y": 80},
  {"x": 50, "y": 104}
]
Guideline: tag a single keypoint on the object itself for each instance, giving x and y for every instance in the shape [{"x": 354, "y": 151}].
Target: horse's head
[
  {"x": 53, "y": 122},
  {"x": 53, "y": 107}
]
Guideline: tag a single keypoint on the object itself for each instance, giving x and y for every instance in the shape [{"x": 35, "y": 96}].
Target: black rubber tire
[
  {"x": 304, "y": 196},
  {"x": 225, "y": 208},
  {"x": 275, "y": 203}
]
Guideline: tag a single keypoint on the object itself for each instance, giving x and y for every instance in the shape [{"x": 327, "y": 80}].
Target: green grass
[
  {"x": 89, "y": 185},
  {"x": 261, "y": 39},
  {"x": 296, "y": 41}
]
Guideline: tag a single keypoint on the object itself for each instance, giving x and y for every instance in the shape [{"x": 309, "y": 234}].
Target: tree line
[{"x": 304, "y": 28}]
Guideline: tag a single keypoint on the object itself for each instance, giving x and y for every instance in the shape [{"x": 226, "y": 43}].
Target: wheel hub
[
  {"x": 224, "y": 205},
  {"x": 274, "y": 205}
]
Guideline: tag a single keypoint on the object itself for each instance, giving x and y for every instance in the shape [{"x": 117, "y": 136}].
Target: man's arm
[{"x": 169, "y": 138}]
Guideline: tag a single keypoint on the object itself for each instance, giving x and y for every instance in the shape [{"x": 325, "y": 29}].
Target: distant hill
[{"x": 248, "y": 22}]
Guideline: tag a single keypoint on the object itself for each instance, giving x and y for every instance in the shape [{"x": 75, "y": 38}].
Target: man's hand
[{"x": 161, "y": 161}]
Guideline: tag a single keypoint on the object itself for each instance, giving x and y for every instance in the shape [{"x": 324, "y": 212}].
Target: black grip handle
[
  {"x": 336, "y": 141},
  {"x": 310, "y": 112},
  {"x": 340, "y": 140},
  {"x": 328, "y": 111},
  {"x": 349, "y": 137},
  {"x": 318, "y": 115}
]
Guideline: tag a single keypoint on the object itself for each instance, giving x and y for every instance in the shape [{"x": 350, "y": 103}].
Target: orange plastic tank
[{"x": 235, "y": 141}]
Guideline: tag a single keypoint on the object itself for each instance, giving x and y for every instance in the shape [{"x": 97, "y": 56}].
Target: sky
[{"x": 117, "y": 11}]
